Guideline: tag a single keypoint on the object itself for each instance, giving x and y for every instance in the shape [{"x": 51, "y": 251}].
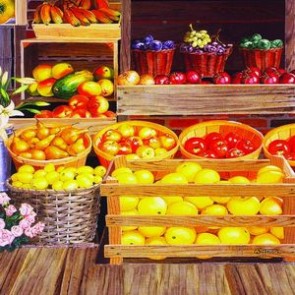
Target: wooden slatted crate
[{"x": 112, "y": 190}]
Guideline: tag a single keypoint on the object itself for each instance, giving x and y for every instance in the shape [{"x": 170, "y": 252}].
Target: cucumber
[{"x": 67, "y": 86}]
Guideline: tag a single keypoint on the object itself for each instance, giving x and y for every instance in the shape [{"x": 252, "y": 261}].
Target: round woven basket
[
  {"x": 282, "y": 132},
  {"x": 262, "y": 58},
  {"x": 208, "y": 64},
  {"x": 223, "y": 127},
  {"x": 105, "y": 158},
  {"x": 153, "y": 62},
  {"x": 69, "y": 217},
  {"x": 72, "y": 161}
]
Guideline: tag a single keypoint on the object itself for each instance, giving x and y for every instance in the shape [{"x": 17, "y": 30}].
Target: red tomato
[
  {"x": 234, "y": 153},
  {"x": 232, "y": 139},
  {"x": 246, "y": 146},
  {"x": 209, "y": 154},
  {"x": 279, "y": 147},
  {"x": 44, "y": 114},
  {"x": 78, "y": 101},
  {"x": 195, "y": 145},
  {"x": 212, "y": 136},
  {"x": 62, "y": 111},
  {"x": 219, "y": 147},
  {"x": 291, "y": 142}
]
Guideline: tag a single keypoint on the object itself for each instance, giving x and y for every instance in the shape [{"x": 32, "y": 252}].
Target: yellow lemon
[
  {"x": 172, "y": 199},
  {"x": 270, "y": 176},
  {"x": 239, "y": 180},
  {"x": 49, "y": 167},
  {"x": 200, "y": 202},
  {"x": 257, "y": 230},
  {"x": 174, "y": 178},
  {"x": 156, "y": 241},
  {"x": 117, "y": 171},
  {"x": 39, "y": 183},
  {"x": 52, "y": 177},
  {"x": 278, "y": 231},
  {"x": 152, "y": 231},
  {"x": 26, "y": 168},
  {"x": 132, "y": 237},
  {"x": 144, "y": 176},
  {"x": 85, "y": 169},
  {"x": 24, "y": 177},
  {"x": 152, "y": 206},
  {"x": 266, "y": 239},
  {"x": 206, "y": 176},
  {"x": 100, "y": 171},
  {"x": 128, "y": 203},
  {"x": 269, "y": 168},
  {"x": 271, "y": 206},
  {"x": 234, "y": 235},
  {"x": 189, "y": 169},
  {"x": 180, "y": 235},
  {"x": 215, "y": 209},
  {"x": 243, "y": 205},
  {"x": 182, "y": 208},
  {"x": 129, "y": 213}
]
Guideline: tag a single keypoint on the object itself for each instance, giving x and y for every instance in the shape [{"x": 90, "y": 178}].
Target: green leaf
[
  {"x": 25, "y": 80},
  {"x": 34, "y": 111},
  {"x": 20, "y": 89}
]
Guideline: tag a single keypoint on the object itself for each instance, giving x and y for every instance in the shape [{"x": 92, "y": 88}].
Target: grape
[
  {"x": 148, "y": 39},
  {"x": 155, "y": 45},
  {"x": 168, "y": 44},
  {"x": 138, "y": 45}
]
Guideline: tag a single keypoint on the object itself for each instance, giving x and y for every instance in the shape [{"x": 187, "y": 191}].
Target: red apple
[
  {"x": 177, "y": 78},
  {"x": 161, "y": 80},
  {"x": 168, "y": 142},
  {"x": 147, "y": 132},
  {"x": 222, "y": 78},
  {"x": 193, "y": 77},
  {"x": 110, "y": 147},
  {"x": 62, "y": 111},
  {"x": 287, "y": 78},
  {"x": 112, "y": 134},
  {"x": 237, "y": 78},
  {"x": 78, "y": 101}
]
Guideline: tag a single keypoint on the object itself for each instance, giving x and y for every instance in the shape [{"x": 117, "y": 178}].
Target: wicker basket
[
  {"x": 69, "y": 218},
  {"x": 262, "y": 58},
  {"x": 153, "y": 62},
  {"x": 72, "y": 161},
  {"x": 208, "y": 64},
  {"x": 105, "y": 158},
  {"x": 223, "y": 127},
  {"x": 282, "y": 132}
]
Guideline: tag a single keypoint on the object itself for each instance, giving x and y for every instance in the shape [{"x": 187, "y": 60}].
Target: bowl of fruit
[
  {"x": 220, "y": 139},
  {"x": 204, "y": 53},
  {"x": 260, "y": 52},
  {"x": 136, "y": 140},
  {"x": 151, "y": 56},
  {"x": 39, "y": 144}
]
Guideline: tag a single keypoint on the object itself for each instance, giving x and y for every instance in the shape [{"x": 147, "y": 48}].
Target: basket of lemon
[{"x": 66, "y": 200}]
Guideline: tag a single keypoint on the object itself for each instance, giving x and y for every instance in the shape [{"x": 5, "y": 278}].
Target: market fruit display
[
  {"x": 77, "y": 13},
  {"x": 7, "y": 10},
  {"x": 256, "y": 41},
  {"x": 49, "y": 142},
  {"x": 199, "y": 41},
  {"x": 193, "y": 172},
  {"x": 57, "y": 178}
]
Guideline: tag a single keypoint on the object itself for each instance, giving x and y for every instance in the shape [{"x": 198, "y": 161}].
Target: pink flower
[
  {"x": 30, "y": 218},
  {"x": 24, "y": 224},
  {"x": 10, "y": 210},
  {"x": 38, "y": 228},
  {"x": 29, "y": 232},
  {"x": 26, "y": 209},
  {"x": 4, "y": 199},
  {"x": 2, "y": 223},
  {"x": 17, "y": 231},
  {"x": 6, "y": 237}
]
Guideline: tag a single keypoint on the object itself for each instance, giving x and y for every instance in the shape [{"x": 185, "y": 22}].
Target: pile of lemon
[
  {"x": 57, "y": 178},
  {"x": 192, "y": 172}
]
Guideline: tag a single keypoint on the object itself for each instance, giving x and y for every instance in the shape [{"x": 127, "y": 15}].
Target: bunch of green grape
[{"x": 196, "y": 38}]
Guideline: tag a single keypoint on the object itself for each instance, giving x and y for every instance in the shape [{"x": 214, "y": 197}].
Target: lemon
[
  {"x": 129, "y": 227},
  {"x": 57, "y": 185},
  {"x": 152, "y": 231},
  {"x": 172, "y": 199},
  {"x": 207, "y": 239},
  {"x": 128, "y": 203},
  {"x": 24, "y": 177},
  {"x": 243, "y": 205},
  {"x": 189, "y": 169},
  {"x": 117, "y": 171},
  {"x": 152, "y": 206},
  {"x": 17, "y": 184},
  {"x": 180, "y": 235},
  {"x": 70, "y": 185},
  {"x": 271, "y": 206},
  {"x": 40, "y": 173},
  {"x": 215, "y": 209},
  {"x": 257, "y": 230},
  {"x": 132, "y": 237},
  {"x": 26, "y": 168},
  {"x": 84, "y": 181},
  {"x": 60, "y": 168},
  {"x": 52, "y": 177},
  {"x": 234, "y": 235},
  {"x": 126, "y": 178},
  {"x": 182, "y": 208},
  {"x": 200, "y": 202},
  {"x": 97, "y": 179},
  {"x": 156, "y": 241},
  {"x": 266, "y": 239},
  {"x": 278, "y": 231},
  {"x": 67, "y": 174},
  {"x": 85, "y": 169},
  {"x": 269, "y": 168},
  {"x": 100, "y": 171},
  {"x": 49, "y": 167},
  {"x": 239, "y": 180},
  {"x": 174, "y": 178},
  {"x": 270, "y": 176},
  {"x": 39, "y": 183},
  {"x": 206, "y": 176},
  {"x": 221, "y": 200},
  {"x": 144, "y": 176}
]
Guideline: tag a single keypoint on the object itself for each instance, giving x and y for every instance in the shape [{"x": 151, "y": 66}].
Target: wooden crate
[
  {"x": 111, "y": 190},
  {"x": 82, "y": 54},
  {"x": 205, "y": 99},
  {"x": 95, "y": 31}
]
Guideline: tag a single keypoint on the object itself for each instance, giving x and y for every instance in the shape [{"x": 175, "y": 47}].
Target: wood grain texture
[{"x": 74, "y": 271}]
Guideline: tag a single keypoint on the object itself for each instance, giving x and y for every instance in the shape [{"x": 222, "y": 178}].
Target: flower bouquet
[{"x": 17, "y": 226}]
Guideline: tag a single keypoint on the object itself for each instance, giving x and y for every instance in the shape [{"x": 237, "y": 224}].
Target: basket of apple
[
  {"x": 151, "y": 56},
  {"x": 65, "y": 198},
  {"x": 204, "y": 53},
  {"x": 135, "y": 139},
  {"x": 260, "y": 52},
  {"x": 220, "y": 139},
  {"x": 42, "y": 143}
]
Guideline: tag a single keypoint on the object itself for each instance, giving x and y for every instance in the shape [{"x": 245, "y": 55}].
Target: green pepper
[
  {"x": 264, "y": 44},
  {"x": 277, "y": 43},
  {"x": 248, "y": 45},
  {"x": 244, "y": 40},
  {"x": 256, "y": 37}
]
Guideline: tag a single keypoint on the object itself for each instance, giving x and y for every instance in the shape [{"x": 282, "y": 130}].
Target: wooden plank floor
[{"x": 46, "y": 271}]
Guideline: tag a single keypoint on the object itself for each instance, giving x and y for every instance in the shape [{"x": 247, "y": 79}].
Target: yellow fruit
[
  {"x": 206, "y": 239},
  {"x": 144, "y": 176},
  {"x": 7, "y": 10},
  {"x": 97, "y": 179},
  {"x": 266, "y": 239},
  {"x": 52, "y": 177},
  {"x": 84, "y": 169},
  {"x": 221, "y": 200},
  {"x": 174, "y": 178},
  {"x": 152, "y": 231},
  {"x": 180, "y": 235},
  {"x": 243, "y": 205},
  {"x": 156, "y": 241},
  {"x": 257, "y": 230},
  {"x": 271, "y": 206},
  {"x": 17, "y": 183},
  {"x": 39, "y": 183},
  {"x": 26, "y": 168},
  {"x": 67, "y": 174},
  {"x": 84, "y": 181},
  {"x": 57, "y": 185},
  {"x": 239, "y": 180},
  {"x": 70, "y": 185},
  {"x": 270, "y": 176},
  {"x": 100, "y": 171},
  {"x": 189, "y": 170},
  {"x": 49, "y": 167},
  {"x": 278, "y": 231},
  {"x": 234, "y": 235},
  {"x": 40, "y": 173},
  {"x": 24, "y": 177},
  {"x": 121, "y": 170},
  {"x": 128, "y": 203},
  {"x": 152, "y": 206},
  {"x": 132, "y": 237},
  {"x": 126, "y": 178},
  {"x": 182, "y": 208},
  {"x": 207, "y": 176},
  {"x": 215, "y": 209},
  {"x": 269, "y": 168},
  {"x": 172, "y": 199},
  {"x": 200, "y": 202},
  {"x": 129, "y": 227}
]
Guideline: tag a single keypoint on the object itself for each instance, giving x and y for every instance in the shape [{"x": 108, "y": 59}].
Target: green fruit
[
  {"x": 277, "y": 43},
  {"x": 264, "y": 44},
  {"x": 247, "y": 45},
  {"x": 255, "y": 37},
  {"x": 67, "y": 86}
]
